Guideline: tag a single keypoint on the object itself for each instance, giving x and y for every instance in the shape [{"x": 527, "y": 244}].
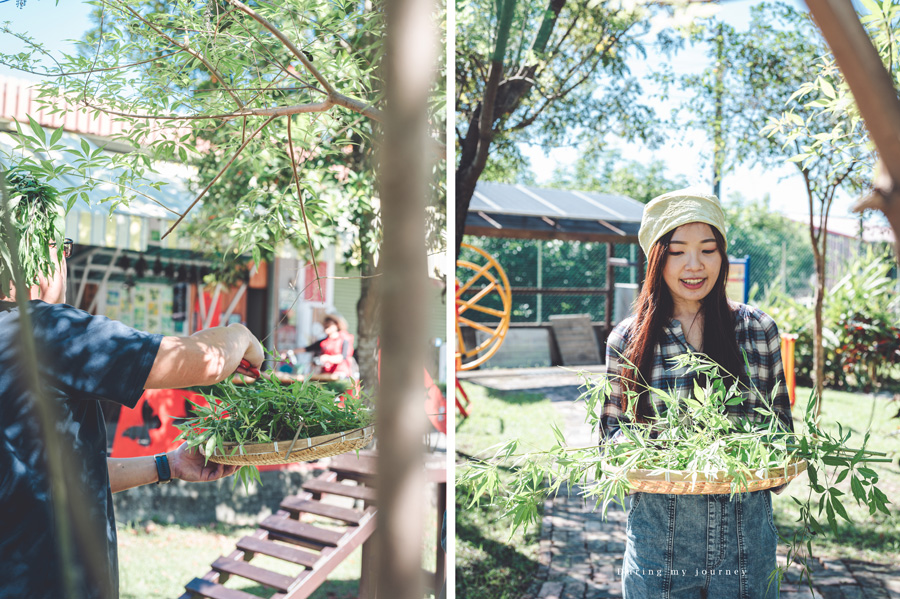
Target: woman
[
  {"x": 335, "y": 350},
  {"x": 693, "y": 545}
]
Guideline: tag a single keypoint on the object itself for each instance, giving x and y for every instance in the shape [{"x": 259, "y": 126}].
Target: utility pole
[{"x": 718, "y": 134}]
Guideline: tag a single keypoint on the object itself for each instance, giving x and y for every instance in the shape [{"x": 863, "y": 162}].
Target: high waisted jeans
[{"x": 700, "y": 546}]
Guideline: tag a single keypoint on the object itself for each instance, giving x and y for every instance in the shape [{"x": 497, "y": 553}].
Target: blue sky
[{"x": 50, "y": 23}]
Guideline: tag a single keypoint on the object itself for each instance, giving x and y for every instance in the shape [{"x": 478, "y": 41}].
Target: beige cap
[{"x": 676, "y": 208}]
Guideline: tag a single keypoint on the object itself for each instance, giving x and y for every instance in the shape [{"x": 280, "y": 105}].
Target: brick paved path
[{"x": 580, "y": 555}]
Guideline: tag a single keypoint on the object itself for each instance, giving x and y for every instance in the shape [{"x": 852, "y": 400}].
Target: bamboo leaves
[{"x": 268, "y": 411}]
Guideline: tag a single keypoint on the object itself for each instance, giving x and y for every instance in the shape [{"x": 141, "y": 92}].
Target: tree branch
[
  {"x": 309, "y": 242},
  {"x": 216, "y": 178},
  {"x": 287, "y": 43},
  {"x": 209, "y": 67}
]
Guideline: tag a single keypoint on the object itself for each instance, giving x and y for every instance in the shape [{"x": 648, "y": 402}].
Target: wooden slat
[
  {"x": 277, "y": 581},
  {"x": 306, "y": 506},
  {"x": 283, "y": 552},
  {"x": 356, "y": 492},
  {"x": 366, "y": 462},
  {"x": 301, "y": 530},
  {"x": 205, "y": 588},
  {"x": 310, "y": 580},
  {"x": 359, "y": 472}
]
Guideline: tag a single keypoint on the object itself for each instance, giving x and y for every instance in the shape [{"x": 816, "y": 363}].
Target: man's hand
[
  {"x": 188, "y": 465},
  {"x": 254, "y": 353}
]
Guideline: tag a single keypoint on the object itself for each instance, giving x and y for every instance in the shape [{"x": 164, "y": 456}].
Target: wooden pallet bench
[
  {"x": 317, "y": 549},
  {"x": 314, "y": 547}
]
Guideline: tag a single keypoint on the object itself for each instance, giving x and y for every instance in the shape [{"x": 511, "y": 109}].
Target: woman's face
[{"x": 692, "y": 265}]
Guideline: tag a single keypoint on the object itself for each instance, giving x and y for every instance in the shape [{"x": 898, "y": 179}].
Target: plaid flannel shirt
[{"x": 757, "y": 335}]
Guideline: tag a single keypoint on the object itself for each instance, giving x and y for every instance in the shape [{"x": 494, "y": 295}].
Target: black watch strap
[{"x": 162, "y": 469}]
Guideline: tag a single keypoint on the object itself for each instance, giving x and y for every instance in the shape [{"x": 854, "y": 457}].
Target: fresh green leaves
[
  {"x": 267, "y": 411},
  {"x": 37, "y": 220}
]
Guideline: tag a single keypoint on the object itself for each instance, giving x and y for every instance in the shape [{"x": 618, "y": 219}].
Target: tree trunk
[
  {"x": 367, "y": 327},
  {"x": 410, "y": 50},
  {"x": 500, "y": 97},
  {"x": 818, "y": 347}
]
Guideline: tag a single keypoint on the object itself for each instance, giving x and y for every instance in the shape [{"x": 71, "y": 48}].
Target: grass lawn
[
  {"x": 157, "y": 560},
  {"x": 489, "y": 563},
  {"x": 871, "y": 538}
]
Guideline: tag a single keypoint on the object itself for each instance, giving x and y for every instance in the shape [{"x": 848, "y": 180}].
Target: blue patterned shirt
[{"x": 757, "y": 336}]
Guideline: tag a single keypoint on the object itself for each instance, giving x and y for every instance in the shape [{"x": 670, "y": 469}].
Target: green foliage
[
  {"x": 771, "y": 241},
  {"x": 209, "y": 79},
  {"x": 856, "y": 358},
  {"x": 268, "y": 411},
  {"x": 492, "y": 562},
  {"x": 565, "y": 74},
  {"x": 37, "y": 219},
  {"x": 752, "y": 75},
  {"x": 608, "y": 172},
  {"x": 694, "y": 434}
]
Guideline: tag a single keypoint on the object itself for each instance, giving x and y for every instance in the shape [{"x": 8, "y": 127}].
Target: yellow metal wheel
[{"x": 492, "y": 279}]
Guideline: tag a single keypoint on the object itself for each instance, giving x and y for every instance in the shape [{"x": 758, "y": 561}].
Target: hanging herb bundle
[
  {"x": 37, "y": 217},
  {"x": 694, "y": 435},
  {"x": 267, "y": 411}
]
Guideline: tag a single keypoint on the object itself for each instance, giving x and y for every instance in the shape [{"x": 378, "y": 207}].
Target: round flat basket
[
  {"x": 290, "y": 451},
  {"x": 681, "y": 482}
]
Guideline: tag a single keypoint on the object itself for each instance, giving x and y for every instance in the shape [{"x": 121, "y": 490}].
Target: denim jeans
[{"x": 700, "y": 546}]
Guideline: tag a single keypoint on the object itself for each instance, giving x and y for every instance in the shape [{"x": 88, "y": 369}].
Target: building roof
[
  {"x": 520, "y": 211},
  {"x": 848, "y": 226}
]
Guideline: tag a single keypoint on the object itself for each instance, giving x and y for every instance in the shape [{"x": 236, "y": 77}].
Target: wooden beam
[{"x": 507, "y": 233}]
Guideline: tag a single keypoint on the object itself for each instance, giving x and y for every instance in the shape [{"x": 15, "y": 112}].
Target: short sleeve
[
  {"x": 612, "y": 412},
  {"x": 92, "y": 357}
]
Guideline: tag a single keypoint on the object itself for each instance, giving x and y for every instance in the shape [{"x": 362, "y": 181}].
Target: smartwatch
[{"x": 162, "y": 469}]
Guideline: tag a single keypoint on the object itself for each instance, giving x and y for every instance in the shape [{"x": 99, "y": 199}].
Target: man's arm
[
  {"x": 205, "y": 358},
  {"x": 185, "y": 464}
]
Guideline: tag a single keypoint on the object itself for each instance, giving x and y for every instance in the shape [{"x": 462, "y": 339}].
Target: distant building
[{"x": 846, "y": 239}]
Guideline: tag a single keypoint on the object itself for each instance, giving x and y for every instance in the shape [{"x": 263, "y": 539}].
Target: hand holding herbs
[
  {"x": 695, "y": 435},
  {"x": 266, "y": 411}
]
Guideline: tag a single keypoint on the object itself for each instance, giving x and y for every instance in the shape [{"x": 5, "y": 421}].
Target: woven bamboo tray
[
  {"x": 682, "y": 482},
  {"x": 290, "y": 451}
]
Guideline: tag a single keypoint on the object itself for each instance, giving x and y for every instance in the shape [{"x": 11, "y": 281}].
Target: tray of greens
[{"x": 268, "y": 422}]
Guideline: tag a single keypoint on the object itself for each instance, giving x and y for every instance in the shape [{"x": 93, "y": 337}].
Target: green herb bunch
[
  {"x": 37, "y": 218},
  {"x": 694, "y": 434},
  {"x": 266, "y": 411}
]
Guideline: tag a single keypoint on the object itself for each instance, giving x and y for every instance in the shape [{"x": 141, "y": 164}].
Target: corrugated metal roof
[
  {"x": 520, "y": 211},
  {"x": 18, "y": 99},
  {"x": 501, "y": 198}
]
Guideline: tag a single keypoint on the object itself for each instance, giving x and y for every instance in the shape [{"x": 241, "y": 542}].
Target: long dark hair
[{"x": 653, "y": 309}]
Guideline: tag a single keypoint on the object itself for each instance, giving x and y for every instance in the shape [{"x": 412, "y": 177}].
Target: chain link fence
[
  {"x": 568, "y": 277},
  {"x": 553, "y": 277}
]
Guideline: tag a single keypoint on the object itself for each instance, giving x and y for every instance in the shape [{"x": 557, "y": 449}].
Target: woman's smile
[{"x": 694, "y": 283}]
